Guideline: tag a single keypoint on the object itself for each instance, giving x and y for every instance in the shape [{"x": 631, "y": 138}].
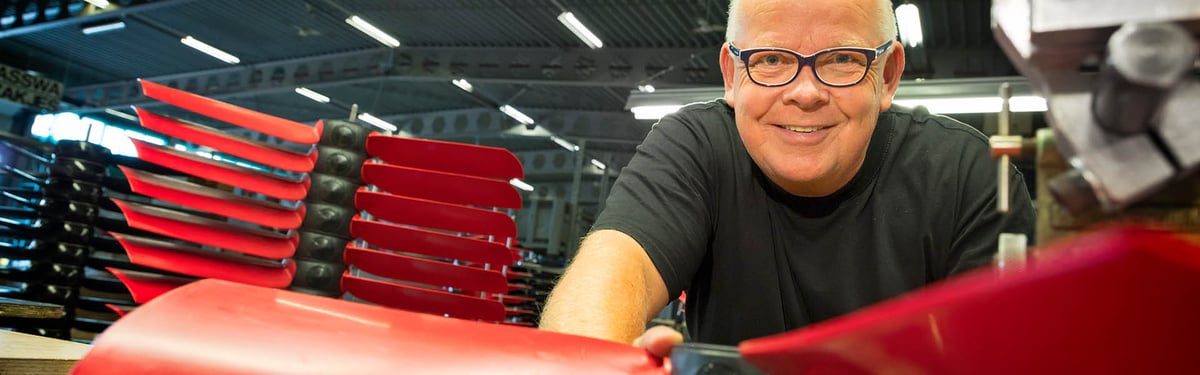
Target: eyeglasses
[{"x": 837, "y": 67}]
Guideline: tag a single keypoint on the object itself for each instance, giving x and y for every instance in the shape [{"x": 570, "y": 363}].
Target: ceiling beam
[{"x": 116, "y": 12}]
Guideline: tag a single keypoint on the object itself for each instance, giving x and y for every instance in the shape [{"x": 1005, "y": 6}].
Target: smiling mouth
[{"x": 803, "y": 129}]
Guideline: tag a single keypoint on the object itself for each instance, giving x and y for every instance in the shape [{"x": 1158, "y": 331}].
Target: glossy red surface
[
  {"x": 197, "y": 263},
  {"x": 203, "y": 198},
  {"x": 205, "y": 231},
  {"x": 419, "y": 241},
  {"x": 425, "y": 271},
  {"x": 258, "y": 152},
  {"x": 260, "y": 122},
  {"x": 145, "y": 287},
  {"x": 1119, "y": 301},
  {"x": 441, "y": 186},
  {"x": 224, "y": 173},
  {"x": 472, "y": 160},
  {"x": 217, "y": 327},
  {"x": 432, "y": 214},
  {"x": 424, "y": 300}
]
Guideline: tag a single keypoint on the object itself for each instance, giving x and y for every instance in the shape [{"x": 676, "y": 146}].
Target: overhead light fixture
[
  {"x": 121, "y": 114},
  {"x": 646, "y": 88},
  {"x": 315, "y": 96},
  {"x": 377, "y": 122},
  {"x": 520, "y": 184},
  {"x": 98, "y": 3},
  {"x": 565, "y": 144},
  {"x": 908, "y": 18},
  {"x": 210, "y": 50},
  {"x": 97, "y": 28},
  {"x": 515, "y": 114},
  {"x": 653, "y": 112},
  {"x": 568, "y": 19},
  {"x": 372, "y": 31},
  {"x": 599, "y": 164},
  {"x": 463, "y": 84},
  {"x": 976, "y": 105}
]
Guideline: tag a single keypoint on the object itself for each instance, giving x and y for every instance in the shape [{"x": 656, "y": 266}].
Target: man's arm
[{"x": 610, "y": 290}]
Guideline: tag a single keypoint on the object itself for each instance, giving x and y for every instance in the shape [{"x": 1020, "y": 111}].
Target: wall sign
[{"x": 23, "y": 88}]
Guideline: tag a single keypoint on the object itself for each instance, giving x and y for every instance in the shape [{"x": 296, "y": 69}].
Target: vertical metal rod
[
  {"x": 1003, "y": 169},
  {"x": 353, "y": 112}
]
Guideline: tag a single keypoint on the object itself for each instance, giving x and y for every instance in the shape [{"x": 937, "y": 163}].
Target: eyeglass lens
[{"x": 834, "y": 67}]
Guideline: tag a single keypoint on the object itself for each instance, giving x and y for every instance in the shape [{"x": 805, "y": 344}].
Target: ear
[
  {"x": 892, "y": 70},
  {"x": 727, "y": 71}
]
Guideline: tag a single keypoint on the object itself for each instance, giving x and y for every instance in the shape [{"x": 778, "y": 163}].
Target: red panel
[
  {"x": 219, "y": 202},
  {"x": 440, "y": 245},
  {"x": 225, "y": 173},
  {"x": 145, "y": 287},
  {"x": 257, "y": 152},
  {"x": 216, "y": 327},
  {"x": 263, "y": 123},
  {"x": 1124, "y": 301},
  {"x": 210, "y": 232},
  {"x": 204, "y": 264},
  {"x": 423, "y": 300},
  {"x": 427, "y": 213},
  {"x": 481, "y": 161},
  {"x": 425, "y": 271},
  {"x": 441, "y": 186}
]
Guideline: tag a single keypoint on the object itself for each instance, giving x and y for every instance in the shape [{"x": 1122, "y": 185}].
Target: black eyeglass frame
[{"x": 810, "y": 61}]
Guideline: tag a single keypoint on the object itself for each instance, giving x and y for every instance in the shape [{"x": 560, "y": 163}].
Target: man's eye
[{"x": 772, "y": 60}]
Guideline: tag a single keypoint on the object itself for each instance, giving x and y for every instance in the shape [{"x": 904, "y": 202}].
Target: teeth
[{"x": 803, "y": 129}]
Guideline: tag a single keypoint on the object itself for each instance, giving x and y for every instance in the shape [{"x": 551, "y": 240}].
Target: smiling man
[{"x": 801, "y": 196}]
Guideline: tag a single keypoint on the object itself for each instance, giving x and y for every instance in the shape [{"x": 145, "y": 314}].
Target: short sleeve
[{"x": 662, "y": 197}]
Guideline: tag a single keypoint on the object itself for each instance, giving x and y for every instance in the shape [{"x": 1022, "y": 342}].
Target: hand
[{"x": 659, "y": 340}]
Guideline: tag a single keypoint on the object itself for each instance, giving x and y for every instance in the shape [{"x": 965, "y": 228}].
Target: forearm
[{"x": 610, "y": 290}]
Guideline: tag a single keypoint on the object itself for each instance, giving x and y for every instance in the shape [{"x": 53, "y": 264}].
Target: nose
[{"x": 806, "y": 91}]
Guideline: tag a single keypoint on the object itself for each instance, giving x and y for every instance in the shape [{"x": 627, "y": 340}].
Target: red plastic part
[
  {"x": 287, "y": 130},
  {"x": 480, "y": 161},
  {"x": 437, "y": 215},
  {"x": 1123, "y": 301},
  {"x": 219, "y": 202},
  {"x": 441, "y": 186},
  {"x": 423, "y": 300},
  {"x": 225, "y": 173},
  {"x": 145, "y": 287},
  {"x": 258, "y": 152},
  {"x": 216, "y": 327},
  {"x": 194, "y": 262},
  {"x": 425, "y": 271},
  {"x": 207, "y": 231},
  {"x": 440, "y": 245}
]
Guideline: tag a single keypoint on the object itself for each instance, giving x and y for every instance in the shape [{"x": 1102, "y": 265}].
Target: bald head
[{"x": 886, "y": 20}]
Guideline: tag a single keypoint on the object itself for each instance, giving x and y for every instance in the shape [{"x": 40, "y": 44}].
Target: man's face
[{"x": 776, "y": 123}]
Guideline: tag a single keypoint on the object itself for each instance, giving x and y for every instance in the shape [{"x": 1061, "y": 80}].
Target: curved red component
[
  {"x": 225, "y": 173},
  {"x": 205, "y": 231},
  {"x": 217, "y": 327},
  {"x": 202, "y": 263},
  {"x": 423, "y": 300},
  {"x": 285, "y": 129},
  {"x": 118, "y": 309},
  {"x": 441, "y": 186},
  {"x": 437, "y": 215},
  {"x": 219, "y": 202},
  {"x": 473, "y": 160},
  {"x": 439, "y": 245},
  {"x": 258, "y": 152},
  {"x": 145, "y": 287},
  {"x": 425, "y": 271},
  {"x": 1123, "y": 301}
]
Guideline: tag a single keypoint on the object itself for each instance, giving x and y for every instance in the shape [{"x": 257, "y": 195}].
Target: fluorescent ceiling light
[
  {"x": 315, "y": 96},
  {"x": 568, "y": 19},
  {"x": 599, "y": 164},
  {"x": 377, "y": 122},
  {"x": 565, "y": 144},
  {"x": 646, "y": 88},
  {"x": 98, "y": 3},
  {"x": 653, "y": 112},
  {"x": 463, "y": 84},
  {"x": 102, "y": 27},
  {"x": 210, "y": 50},
  {"x": 515, "y": 114},
  {"x": 372, "y": 31},
  {"x": 179, "y": 147},
  {"x": 908, "y": 18},
  {"x": 521, "y": 184},
  {"x": 976, "y": 105},
  {"x": 121, "y": 114}
]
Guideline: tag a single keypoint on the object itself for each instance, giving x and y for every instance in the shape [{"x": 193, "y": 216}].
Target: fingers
[{"x": 659, "y": 340}]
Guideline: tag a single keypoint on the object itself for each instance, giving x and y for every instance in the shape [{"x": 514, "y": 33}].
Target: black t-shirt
[{"x": 756, "y": 260}]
